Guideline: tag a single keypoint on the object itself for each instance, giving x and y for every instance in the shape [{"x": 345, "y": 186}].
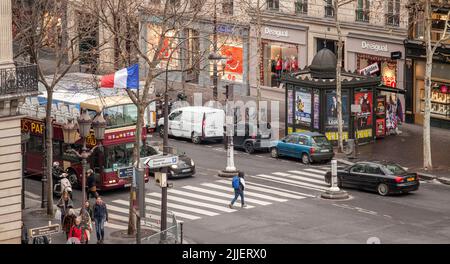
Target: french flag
[{"x": 127, "y": 78}]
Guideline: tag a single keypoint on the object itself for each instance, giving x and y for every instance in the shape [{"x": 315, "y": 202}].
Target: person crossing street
[
  {"x": 238, "y": 184},
  {"x": 100, "y": 217}
]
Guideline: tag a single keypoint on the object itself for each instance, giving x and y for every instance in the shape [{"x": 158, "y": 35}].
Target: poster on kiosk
[{"x": 380, "y": 113}]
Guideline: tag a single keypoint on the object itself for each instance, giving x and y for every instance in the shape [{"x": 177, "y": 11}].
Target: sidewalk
[{"x": 407, "y": 148}]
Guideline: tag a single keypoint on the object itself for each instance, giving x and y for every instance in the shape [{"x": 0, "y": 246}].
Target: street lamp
[{"x": 71, "y": 136}]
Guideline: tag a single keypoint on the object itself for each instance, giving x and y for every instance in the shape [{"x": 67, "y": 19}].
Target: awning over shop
[{"x": 390, "y": 89}]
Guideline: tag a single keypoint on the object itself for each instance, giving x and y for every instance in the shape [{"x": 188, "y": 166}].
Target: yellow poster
[{"x": 335, "y": 135}]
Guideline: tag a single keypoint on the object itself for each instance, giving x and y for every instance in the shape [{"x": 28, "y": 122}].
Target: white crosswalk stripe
[
  {"x": 183, "y": 207},
  {"x": 317, "y": 178},
  {"x": 252, "y": 186},
  {"x": 321, "y": 172},
  {"x": 203, "y": 197},
  {"x": 298, "y": 183},
  {"x": 223, "y": 194},
  {"x": 247, "y": 193},
  {"x": 307, "y": 179}
]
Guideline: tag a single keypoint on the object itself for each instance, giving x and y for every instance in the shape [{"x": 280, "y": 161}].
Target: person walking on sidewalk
[
  {"x": 91, "y": 188},
  {"x": 86, "y": 221},
  {"x": 68, "y": 221},
  {"x": 100, "y": 217},
  {"x": 64, "y": 204},
  {"x": 238, "y": 184}
]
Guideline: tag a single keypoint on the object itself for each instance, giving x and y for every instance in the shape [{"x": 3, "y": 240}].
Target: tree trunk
[
  {"x": 49, "y": 151},
  {"x": 427, "y": 164},
  {"x": 338, "y": 78},
  {"x": 258, "y": 56}
]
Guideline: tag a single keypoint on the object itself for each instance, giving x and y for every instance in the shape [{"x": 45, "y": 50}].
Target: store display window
[
  {"x": 231, "y": 47},
  {"x": 440, "y": 99},
  {"x": 278, "y": 58},
  {"x": 387, "y": 68},
  {"x": 154, "y": 34}
]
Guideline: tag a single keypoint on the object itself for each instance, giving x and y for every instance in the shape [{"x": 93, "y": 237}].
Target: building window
[
  {"x": 301, "y": 6},
  {"x": 329, "y": 9},
  {"x": 227, "y": 7},
  {"x": 278, "y": 58},
  {"x": 362, "y": 11},
  {"x": 273, "y": 5},
  {"x": 393, "y": 13}
]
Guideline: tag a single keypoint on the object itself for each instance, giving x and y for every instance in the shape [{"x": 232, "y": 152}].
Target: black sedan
[
  {"x": 383, "y": 177},
  {"x": 184, "y": 168}
]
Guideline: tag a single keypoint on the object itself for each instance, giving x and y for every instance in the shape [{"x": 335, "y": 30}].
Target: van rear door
[{"x": 213, "y": 124}]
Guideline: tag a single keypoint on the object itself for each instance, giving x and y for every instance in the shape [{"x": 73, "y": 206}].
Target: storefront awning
[{"x": 390, "y": 89}]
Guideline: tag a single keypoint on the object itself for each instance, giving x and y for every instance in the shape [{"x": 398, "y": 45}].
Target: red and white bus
[{"x": 116, "y": 154}]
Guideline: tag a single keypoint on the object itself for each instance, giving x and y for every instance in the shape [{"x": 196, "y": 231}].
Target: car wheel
[
  {"x": 305, "y": 159},
  {"x": 248, "y": 147},
  {"x": 383, "y": 189},
  {"x": 195, "y": 139},
  {"x": 73, "y": 179},
  {"x": 161, "y": 131},
  {"x": 274, "y": 153}
]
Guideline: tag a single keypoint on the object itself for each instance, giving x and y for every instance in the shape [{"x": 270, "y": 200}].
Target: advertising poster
[
  {"x": 290, "y": 107},
  {"x": 331, "y": 120},
  {"x": 365, "y": 100},
  {"x": 381, "y": 127},
  {"x": 234, "y": 65},
  {"x": 303, "y": 108},
  {"x": 380, "y": 107},
  {"x": 316, "y": 109}
]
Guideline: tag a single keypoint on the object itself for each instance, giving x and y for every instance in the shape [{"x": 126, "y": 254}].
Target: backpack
[{"x": 236, "y": 182}]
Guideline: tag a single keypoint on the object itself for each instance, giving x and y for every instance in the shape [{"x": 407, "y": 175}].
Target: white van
[{"x": 198, "y": 123}]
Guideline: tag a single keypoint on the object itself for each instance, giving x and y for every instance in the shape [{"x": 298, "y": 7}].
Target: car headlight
[
  {"x": 192, "y": 163},
  {"x": 174, "y": 167}
]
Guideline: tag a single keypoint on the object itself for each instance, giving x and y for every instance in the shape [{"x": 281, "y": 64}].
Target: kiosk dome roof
[{"x": 324, "y": 62}]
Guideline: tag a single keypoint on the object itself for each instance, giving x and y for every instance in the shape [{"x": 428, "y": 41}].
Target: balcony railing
[
  {"x": 301, "y": 7},
  {"x": 329, "y": 11},
  {"x": 19, "y": 79},
  {"x": 362, "y": 15},
  {"x": 392, "y": 19}
]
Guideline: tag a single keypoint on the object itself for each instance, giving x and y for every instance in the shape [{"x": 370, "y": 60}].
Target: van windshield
[{"x": 320, "y": 141}]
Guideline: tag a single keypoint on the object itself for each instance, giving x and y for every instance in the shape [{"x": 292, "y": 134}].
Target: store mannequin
[
  {"x": 286, "y": 64},
  {"x": 278, "y": 65},
  {"x": 294, "y": 64}
]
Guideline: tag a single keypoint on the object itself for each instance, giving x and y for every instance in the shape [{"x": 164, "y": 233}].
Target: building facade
[{"x": 16, "y": 82}]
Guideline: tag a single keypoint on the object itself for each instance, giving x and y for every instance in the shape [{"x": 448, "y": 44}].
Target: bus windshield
[{"x": 121, "y": 115}]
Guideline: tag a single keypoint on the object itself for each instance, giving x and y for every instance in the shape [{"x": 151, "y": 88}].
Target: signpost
[
  {"x": 125, "y": 172},
  {"x": 371, "y": 69},
  {"x": 44, "y": 231},
  {"x": 161, "y": 161}
]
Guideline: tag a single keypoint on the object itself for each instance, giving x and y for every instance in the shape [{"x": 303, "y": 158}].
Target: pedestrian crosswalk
[{"x": 211, "y": 199}]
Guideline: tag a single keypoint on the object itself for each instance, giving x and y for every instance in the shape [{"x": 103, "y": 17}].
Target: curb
[
  {"x": 345, "y": 161},
  {"x": 444, "y": 180},
  {"x": 426, "y": 176}
]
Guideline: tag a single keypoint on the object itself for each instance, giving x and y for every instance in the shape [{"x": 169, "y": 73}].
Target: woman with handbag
[{"x": 86, "y": 222}]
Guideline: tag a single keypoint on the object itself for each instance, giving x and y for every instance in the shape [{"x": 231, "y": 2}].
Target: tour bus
[{"x": 111, "y": 162}]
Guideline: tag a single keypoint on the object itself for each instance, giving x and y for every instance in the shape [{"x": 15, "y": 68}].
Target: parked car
[
  {"x": 184, "y": 168},
  {"x": 250, "y": 141},
  {"x": 309, "y": 146},
  {"x": 198, "y": 123},
  {"x": 383, "y": 177}
]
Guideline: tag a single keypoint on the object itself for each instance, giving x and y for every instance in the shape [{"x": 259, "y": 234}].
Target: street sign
[
  {"x": 44, "y": 231},
  {"x": 371, "y": 69},
  {"x": 161, "y": 179},
  {"x": 161, "y": 161},
  {"x": 125, "y": 172},
  {"x": 355, "y": 108},
  {"x": 396, "y": 55}
]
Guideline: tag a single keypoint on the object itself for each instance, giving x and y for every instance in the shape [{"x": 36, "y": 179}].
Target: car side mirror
[{"x": 283, "y": 140}]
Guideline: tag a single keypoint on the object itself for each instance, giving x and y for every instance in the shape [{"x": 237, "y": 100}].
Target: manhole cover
[{"x": 124, "y": 233}]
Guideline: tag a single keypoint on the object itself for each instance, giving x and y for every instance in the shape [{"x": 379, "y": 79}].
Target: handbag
[
  {"x": 93, "y": 189},
  {"x": 58, "y": 214}
]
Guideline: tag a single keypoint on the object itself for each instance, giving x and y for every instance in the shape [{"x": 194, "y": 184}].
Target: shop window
[
  {"x": 387, "y": 68},
  {"x": 329, "y": 9},
  {"x": 301, "y": 6},
  {"x": 232, "y": 47},
  {"x": 227, "y": 7},
  {"x": 36, "y": 144},
  {"x": 362, "y": 11},
  {"x": 193, "y": 55},
  {"x": 393, "y": 13},
  {"x": 273, "y": 5},
  {"x": 278, "y": 58}
]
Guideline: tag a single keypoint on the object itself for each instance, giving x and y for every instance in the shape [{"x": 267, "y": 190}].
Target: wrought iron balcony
[
  {"x": 392, "y": 19},
  {"x": 329, "y": 11},
  {"x": 362, "y": 15},
  {"x": 18, "y": 81}
]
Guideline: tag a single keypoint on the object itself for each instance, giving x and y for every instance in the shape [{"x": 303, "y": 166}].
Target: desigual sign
[
  {"x": 276, "y": 32},
  {"x": 374, "y": 46}
]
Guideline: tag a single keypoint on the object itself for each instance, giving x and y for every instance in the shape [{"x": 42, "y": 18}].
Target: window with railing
[
  {"x": 273, "y": 5},
  {"x": 301, "y": 6},
  {"x": 362, "y": 11},
  {"x": 329, "y": 9},
  {"x": 393, "y": 13},
  {"x": 227, "y": 7}
]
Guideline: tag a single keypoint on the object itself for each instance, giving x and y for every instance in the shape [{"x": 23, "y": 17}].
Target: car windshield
[
  {"x": 395, "y": 169},
  {"x": 320, "y": 141}
]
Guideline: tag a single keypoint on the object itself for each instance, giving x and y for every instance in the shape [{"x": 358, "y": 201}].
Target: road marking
[
  {"x": 253, "y": 186},
  {"x": 126, "y": 211},
  {"x": 182, "y": 207},
  {"x": 298, "y": 183},
  {"x": 259, "y": 156},
  {"x": 202, "y": 197},
  {"x": 222, "y": 194},
  {"x": 301, "y": 178},
  {"x": 309, "y": 174},
  {"x": 280, "y": 189},
  {"x": 151, "y": 209},
  {"x": 196, "y": 203},
  {"x": 32, "y": 195},
  {"x": 280, "y": 174},
  {"x": 323, "y": 172},
  {"x": 246, "y": 193},
  {"x": 114, "y": 226}
]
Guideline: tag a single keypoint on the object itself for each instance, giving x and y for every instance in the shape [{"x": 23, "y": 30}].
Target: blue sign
[
  {"x": 125, "y": 172},
  {"x": 228, "y": 29}
]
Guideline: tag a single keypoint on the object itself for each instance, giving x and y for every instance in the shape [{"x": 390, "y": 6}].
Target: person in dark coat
[
  {"x": 91, "y": 188},
  {"x": 100, "y": 218},
  {"x": 68, "y": 222},
  {"x": 64, "y": 204},
  {"x": 86, "y": 221}
]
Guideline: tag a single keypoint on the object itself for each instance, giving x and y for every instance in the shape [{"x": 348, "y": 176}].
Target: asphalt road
[{"x": 284, "y": 205}]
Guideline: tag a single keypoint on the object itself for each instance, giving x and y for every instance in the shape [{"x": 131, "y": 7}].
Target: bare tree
[
  {"x": 422, "y": 11},
  {"x": 46, "y": 37},
  {"x": 169, "y": 18}
]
